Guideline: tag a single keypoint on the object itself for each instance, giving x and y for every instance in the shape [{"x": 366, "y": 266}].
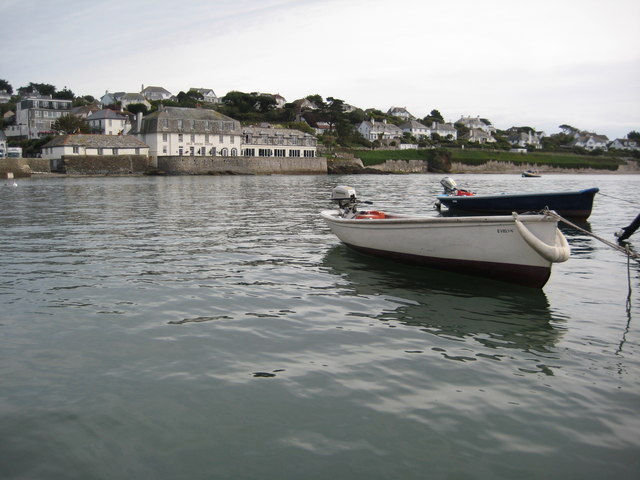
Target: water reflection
[{"x": 494, "y": 314}]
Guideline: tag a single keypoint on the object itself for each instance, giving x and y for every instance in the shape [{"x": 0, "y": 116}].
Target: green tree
[
  {"x": 568, "y": 129},
  {"x": 633, "y": 135},
  {"x": 434, "y": 116},
  {"x": 136, "y": 108},
  {"x": 70, "y": 124},
  {"x": 333, "y": 111},
  {"x": 4, "y": 85},
  {"x": 41, "y": 88},
  {"x": 64, "y": 94},
  {"x": 190, "y": 99}
]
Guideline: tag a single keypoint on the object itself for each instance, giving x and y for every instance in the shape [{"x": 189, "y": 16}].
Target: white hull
[{"x": 495, "y": 247}]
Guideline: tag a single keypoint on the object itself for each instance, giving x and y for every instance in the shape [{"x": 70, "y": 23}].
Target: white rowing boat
[{"x": 514, "y": 248}]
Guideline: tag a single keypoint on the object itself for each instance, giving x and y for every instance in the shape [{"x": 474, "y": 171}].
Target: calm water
[{"x": 213, "y": 328}]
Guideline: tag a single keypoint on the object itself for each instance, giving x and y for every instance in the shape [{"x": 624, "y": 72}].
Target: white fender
[{"x": 557, "y": 253}]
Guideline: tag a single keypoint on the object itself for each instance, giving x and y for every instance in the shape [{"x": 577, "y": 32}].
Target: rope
[
  {"x": 621, "y": 249},
  {"x": 621, "y": 199}
]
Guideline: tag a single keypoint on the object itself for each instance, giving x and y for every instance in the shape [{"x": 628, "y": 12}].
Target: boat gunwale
[
  {"x": 401, "y": 219},
  {"x": 586, "y": 192}
]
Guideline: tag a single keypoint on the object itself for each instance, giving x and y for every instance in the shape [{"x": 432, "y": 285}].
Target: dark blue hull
[{"x": 576, "y": 204}]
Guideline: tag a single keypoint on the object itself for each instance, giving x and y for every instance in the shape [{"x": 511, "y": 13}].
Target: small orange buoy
[{"x": 372, "y": 215}]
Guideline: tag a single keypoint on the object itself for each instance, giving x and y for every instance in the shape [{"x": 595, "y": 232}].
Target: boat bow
[{"x": 557, "y": 253}]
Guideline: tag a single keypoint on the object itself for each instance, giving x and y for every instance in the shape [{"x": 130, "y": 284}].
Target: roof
[
  {"x": 96, "y": 141},
  {"x": 444, "y": 126},
  {"x": 134, "y": 96},
  {"x": 105, "y": 115},
  {"x": 195, "y": 120},
  {"x": 270, "y": 131},
  {"x": 413, "y": 124},
  {"x": 204, "y": 91}
]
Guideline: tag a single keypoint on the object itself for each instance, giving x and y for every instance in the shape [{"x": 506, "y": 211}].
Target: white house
[
  {"x": 155, "y": 93},
  {"x": 400, "y": 112},
  {"x": 111, "y": 98},
  {"x": 99, "y": 145},
  {"x": 475, "y": 123},
  {"x": 383, "y": 131},
  {"x": 590, "y": 141},
  {"x": 208, "y": 95},
  {"x": 444, "y": 130},
  {"x": 268, "y": 141},
  {"x": 417, "y": 129},
  {"x": 133, "y": 98},
  {"x": 624, "y": 144},
  {"x": 5, "y": 97},
  {"x": 479, "y": 136},
  {"x": 107, "y": 122},
  {"x": 176, "y": 131},
  {"x": 520, "y": 139}
]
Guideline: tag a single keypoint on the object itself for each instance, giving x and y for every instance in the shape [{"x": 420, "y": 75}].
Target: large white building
[{"x": 176, "y": 131}]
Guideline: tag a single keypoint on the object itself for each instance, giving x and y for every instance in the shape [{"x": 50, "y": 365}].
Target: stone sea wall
[
  {"x": 102, "y": 165},
  {"x": 241, "y": 165}
]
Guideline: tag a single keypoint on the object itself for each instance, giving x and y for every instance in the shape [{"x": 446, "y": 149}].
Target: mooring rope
[
  {"x": 634, "y": 202},
  {"x": 621, "y": 249}
]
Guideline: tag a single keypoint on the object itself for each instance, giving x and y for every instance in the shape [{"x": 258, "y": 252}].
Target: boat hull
[
  {"x": 577, "y": 205},
  {"x": 490, "y": 247}
]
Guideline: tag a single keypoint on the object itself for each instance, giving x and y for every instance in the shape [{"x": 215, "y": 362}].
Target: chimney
[{"x": 139, "y": 122}]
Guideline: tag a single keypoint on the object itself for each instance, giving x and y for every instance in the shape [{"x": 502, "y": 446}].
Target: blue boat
[{"x": 573, "y": 204}]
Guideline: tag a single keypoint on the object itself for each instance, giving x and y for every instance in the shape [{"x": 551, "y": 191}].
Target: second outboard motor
[{"x": 449, "y": 184}]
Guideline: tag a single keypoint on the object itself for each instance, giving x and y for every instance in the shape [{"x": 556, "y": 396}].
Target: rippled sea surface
[{"x": 213, "y": 328}]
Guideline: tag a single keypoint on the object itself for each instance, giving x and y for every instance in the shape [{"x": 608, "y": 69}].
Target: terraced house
[{"x": 268, "y": 141}]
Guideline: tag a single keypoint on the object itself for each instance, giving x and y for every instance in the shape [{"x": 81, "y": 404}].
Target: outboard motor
[
  {"x": 348, "y": 203},
  {"x": 451, "y": 187},
  {"x": 449, "y": 184},
  {"x": 346, "y": 199}
]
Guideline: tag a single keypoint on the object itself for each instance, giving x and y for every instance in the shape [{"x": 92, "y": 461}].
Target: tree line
[{"x": 255, "y": 108}]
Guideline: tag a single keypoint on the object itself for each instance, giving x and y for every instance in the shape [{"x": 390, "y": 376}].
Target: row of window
[
  {"x": 47, "y": 113},
  {"x": 57, "y": 105},
  {"x": 278, "y": 140},
  {"x": 207, "y": 139},
  {"x": 278, "y": 152},
  {"x": 247, "y": 152},
  {"x": 192, "y": 138},
  {"x": 200, "y": 124}
]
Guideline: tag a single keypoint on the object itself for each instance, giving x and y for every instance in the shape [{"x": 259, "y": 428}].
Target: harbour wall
[
  {"x": 241, "y": 165},
  {"x": 23, "y": 167},
  {"x": 101, "y": 165}
]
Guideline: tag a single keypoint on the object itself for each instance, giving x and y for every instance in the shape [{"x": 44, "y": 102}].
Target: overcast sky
[{"x": 539, "y": 63}]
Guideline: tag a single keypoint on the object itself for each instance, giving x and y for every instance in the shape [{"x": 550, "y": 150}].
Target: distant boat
[
  {"x": 574, "y": 204},
  {"x": 517, "y": 249},
  {"x": 530, "y": 174}
]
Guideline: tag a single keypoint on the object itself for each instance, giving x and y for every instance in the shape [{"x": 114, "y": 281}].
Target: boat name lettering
[{"x": 505, "y": 230}]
